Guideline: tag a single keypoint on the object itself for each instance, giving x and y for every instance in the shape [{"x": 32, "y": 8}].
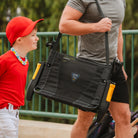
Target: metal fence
[{"x": 43, "y": 107}]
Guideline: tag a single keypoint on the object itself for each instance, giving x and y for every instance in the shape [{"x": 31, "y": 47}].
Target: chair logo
[{"x": 75, "y": 76}]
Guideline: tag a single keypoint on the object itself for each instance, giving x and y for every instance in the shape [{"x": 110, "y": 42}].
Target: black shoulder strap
[
  {"x": 59, "y": 36},
  {"x": 54, "y": 44},
  {"x": 106, "y": 34},
  {"x": 99, "y": 9}
]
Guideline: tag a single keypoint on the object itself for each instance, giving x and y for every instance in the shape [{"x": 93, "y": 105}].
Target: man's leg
[
  {"x": 82, "y": 124},
  {"x": 121, "y": 114}
]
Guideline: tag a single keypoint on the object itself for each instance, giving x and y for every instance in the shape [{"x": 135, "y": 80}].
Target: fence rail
[{"x": 43, "y": 107}]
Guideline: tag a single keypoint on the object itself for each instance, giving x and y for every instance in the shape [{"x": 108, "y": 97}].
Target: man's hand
[
  {"x": 104, "y": 25},
  {"x": 125, "y": 74}
]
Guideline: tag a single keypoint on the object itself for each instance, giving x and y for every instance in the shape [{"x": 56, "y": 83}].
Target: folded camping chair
[{"x": 74, "y": 81}]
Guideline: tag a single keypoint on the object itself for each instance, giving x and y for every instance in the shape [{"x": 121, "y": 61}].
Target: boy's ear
[{"x": 19, "y": 40}]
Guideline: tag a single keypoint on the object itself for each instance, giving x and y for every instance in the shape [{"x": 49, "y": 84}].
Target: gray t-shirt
[{"x": 92, "y": 45}]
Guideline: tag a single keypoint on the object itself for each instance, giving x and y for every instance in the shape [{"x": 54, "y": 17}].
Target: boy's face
[{"x": 30, "y": 41}]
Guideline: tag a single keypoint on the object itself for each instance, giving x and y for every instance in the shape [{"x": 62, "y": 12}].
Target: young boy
[{"x": 21, "y": 33}]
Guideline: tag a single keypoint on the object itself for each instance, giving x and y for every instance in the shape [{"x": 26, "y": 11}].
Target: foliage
[
  {"x": 131, "y": 15},
  {"x": 51, "y": 11},
  {"x": 48, "y": 9}
]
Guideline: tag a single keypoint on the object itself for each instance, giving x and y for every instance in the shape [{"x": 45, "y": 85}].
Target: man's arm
[
  {"x": 70, "y": 24},
  {"x": 120, "y": 44},
  {"x": 120, "y": 49}
]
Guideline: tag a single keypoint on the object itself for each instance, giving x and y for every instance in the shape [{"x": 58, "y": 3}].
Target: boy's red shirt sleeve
[{"x": 3, "y": 65}]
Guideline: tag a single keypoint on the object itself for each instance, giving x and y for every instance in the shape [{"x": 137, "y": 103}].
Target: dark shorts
[{"x": 121, "y": 90}]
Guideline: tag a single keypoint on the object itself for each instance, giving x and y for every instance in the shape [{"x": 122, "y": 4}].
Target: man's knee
[
  {"x": 85, "y": 118},
  {"x": 123, "y": 117}
]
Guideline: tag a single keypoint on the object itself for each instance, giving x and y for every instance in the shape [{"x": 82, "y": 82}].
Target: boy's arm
[{"x": 2, "y": 66}]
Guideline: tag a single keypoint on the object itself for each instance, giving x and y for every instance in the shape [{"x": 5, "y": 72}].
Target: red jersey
[{"x": 12, "y": 79}]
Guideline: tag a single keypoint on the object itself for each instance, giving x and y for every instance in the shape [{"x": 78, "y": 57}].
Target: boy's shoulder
[{"x": 6, "y": 56}]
